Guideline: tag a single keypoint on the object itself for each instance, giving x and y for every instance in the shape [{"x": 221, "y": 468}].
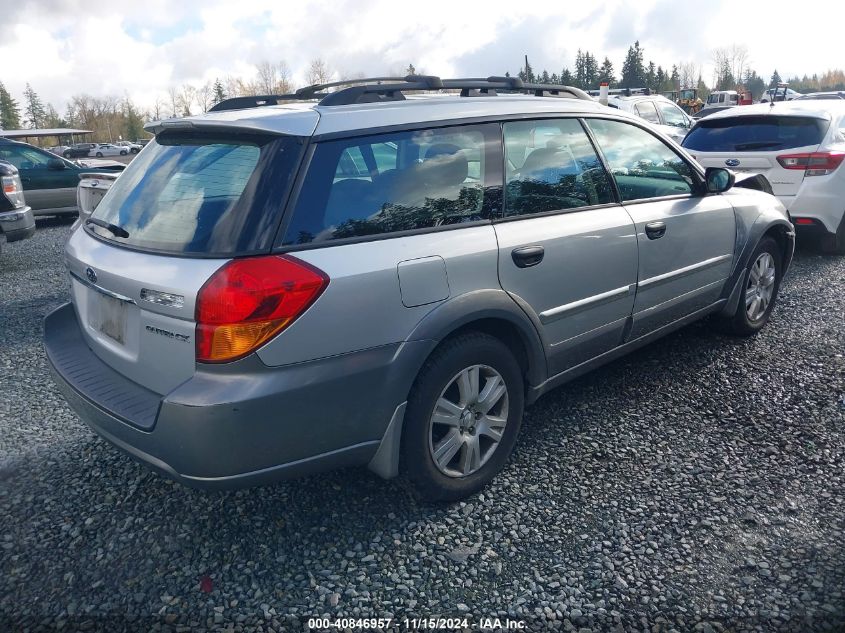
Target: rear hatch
[
  {"x": 185, "y": 206},
  {"x": 754, "y": 143}
]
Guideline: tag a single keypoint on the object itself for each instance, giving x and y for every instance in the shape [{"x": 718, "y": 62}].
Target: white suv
[
  {"x": 799, "y": 146},
  {"x": 657, "y": 110}
]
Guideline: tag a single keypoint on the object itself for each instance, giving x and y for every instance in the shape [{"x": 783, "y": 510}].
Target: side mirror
[
  {"x": 55, "y": 164},
  {"x": 718, "y": 180}
]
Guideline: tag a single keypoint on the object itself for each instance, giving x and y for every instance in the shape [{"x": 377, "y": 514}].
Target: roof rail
[{"x": 375, "y": 89}]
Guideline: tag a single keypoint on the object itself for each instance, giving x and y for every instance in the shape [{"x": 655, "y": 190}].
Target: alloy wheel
[
  {"x": 468, "y": 421},
  {"x": 760, "y": 287}
]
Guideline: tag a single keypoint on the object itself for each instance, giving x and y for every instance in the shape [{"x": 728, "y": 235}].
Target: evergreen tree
[
  {"x": 544, "y": 78},
  {"x": 726, "y": 81},
  {"x": 133, "y": 126},
  {"x": 775, "y": 80},
  {"x": 52, "y": 118},
  {"x": 34, "y": 111},
  {"x": 579, "y": 70},
  {"x": 651, "y": 77},
  {"x": 606, "y": 73},
  {"x": 591, "y": 69},
  {"x": 754, "y": 84},
  {"x": 219, "y": 92},
  {"x": 566, "y": 77},
  {"x": 702, "y": 89},
  {"x": 527, "y": 73},
  {"x": 10, "y": 114},
  {"x": 660, "y": 79},
  {"x": 633, "y": 70}
]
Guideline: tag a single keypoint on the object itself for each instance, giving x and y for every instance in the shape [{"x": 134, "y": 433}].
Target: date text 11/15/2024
[{"x": 416, "y": 624}]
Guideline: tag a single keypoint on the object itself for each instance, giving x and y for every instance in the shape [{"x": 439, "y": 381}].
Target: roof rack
[{"x": 376, "y": 89}]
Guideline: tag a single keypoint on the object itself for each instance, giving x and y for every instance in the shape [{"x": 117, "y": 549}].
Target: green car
[{"x": 49, "y": 181}]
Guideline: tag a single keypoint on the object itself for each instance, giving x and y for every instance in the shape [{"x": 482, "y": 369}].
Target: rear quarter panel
[{"x": 363, "y": 305}]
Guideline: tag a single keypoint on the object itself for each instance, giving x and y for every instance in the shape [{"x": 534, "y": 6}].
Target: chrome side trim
[
  {"x": 683, "y": 272},
  {"x": 108, "y": 293},
  {"x": 552, "y": 314}
]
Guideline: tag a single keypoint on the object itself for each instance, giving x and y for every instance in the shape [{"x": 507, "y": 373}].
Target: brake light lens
[
  {"x": 813, "y": 163},
  {"x": 804, "y": 221},
  {"x": 249, "y": 301},
  {"x": 12, "y": 189}
]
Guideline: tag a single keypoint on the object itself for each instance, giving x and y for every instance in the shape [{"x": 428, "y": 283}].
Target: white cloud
[{"x": 64, "y": 47}]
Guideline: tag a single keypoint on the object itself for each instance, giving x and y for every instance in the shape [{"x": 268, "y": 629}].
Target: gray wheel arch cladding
[{"x": 487, "y": 305}]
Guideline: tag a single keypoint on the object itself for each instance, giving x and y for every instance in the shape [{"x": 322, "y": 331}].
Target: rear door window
[
  {"x": 550, "y": 166},
  {"x": 387, "y": 183},
  {"x": 647, "y": 111},
  {"x": 755, "y": 133},
  {"x": 197, "y": 195}
]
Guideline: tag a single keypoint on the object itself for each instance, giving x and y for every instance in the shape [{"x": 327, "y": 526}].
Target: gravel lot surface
[{"x": 696, "y": 485}]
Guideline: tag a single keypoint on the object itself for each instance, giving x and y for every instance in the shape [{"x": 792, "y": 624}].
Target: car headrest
[{"x": 444, "y": 165}]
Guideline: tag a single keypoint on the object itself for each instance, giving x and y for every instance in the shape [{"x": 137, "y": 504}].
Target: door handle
[
  {"x": 655, "y": 230},
  {"x": 527, "y": 256}
]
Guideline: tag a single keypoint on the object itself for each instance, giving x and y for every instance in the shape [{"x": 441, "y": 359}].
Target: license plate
[{"x": 112, "y": 318}]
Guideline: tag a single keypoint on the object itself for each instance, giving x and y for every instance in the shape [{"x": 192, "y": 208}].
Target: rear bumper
[
  {"x": 242, "y": 424},
  {"x": 827, "y": 208},
  {"x": 18, "y": 224}
]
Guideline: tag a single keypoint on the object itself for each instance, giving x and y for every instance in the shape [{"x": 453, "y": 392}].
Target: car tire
[
  {"x": 66, "y": 155},
  {"x": 759, "y": 291},
  {"x": 123, "y": 153},
  {"x": 134, "y": 150},
  {"x": 834, "y": 243},
  {"x": 99, "y": 154},
  {"x": 444, "y": 387}
]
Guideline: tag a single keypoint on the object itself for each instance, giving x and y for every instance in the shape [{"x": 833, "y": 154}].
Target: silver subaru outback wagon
[{"x": 382, "y": 276}]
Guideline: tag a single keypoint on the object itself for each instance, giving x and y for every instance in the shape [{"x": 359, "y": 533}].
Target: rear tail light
[
  {"x": 813, "y": 163},
  {"x": 249, "y": 301},
  {"x": 804, "y": 221},
  {"x": 13, "y": 190}
]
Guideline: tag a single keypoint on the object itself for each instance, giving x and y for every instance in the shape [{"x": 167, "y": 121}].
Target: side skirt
[{"x": 579, "y": 370}]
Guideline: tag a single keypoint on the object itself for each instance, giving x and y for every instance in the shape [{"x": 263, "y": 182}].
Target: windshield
[
  {"x": 214, "y": 196},
  {"x": 755, "y": 133}
]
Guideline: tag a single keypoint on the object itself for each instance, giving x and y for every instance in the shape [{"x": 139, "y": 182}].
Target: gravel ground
[{"x": 696, "y": 485}]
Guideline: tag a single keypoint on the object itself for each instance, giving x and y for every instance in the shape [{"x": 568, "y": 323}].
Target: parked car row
[
  {"x": 49, "y": 181},
  {"x": 796, "y": 142}
]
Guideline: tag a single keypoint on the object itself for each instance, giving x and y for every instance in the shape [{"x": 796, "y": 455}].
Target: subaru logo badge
[
  {"x": 92, "y": 276},
  {"x": 732, "y": 162}
]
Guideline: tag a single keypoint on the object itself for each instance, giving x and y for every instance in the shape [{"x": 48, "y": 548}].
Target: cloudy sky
[{"x": 129, "y": 47}]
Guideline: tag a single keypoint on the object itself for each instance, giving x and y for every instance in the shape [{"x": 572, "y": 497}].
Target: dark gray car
[{"x": 369, "y": 279}]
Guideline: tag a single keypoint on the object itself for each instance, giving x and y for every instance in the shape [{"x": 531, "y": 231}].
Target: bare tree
[
  {"x": 730, "y": 63},
  {"x": 186, "y": 98},
  {"x": 273, "y": 78},
  {"x": 205, "y": 96},
  {"x": 158, "y": 109},
  {"x": 688, "y": 74},
  {"x": 173, "y": 94},
  {"x": 318, "y": 72}
]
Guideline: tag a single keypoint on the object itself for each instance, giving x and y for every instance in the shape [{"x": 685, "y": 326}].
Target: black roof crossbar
[{"x": 376, "y": 89}]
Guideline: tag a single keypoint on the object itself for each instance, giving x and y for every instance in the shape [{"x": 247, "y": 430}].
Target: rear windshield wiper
[
  {"x": 757, "y": 145},
  {"x": 114, "y": 229}
]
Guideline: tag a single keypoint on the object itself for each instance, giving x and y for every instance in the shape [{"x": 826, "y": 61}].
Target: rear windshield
[
  {"x": 755, "y": 133},
  {"x": 213, "y": 196}
]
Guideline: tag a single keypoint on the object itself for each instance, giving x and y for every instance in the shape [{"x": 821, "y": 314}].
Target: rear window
[
  {"x": 217, "y": 196},
  {"x": 755, "y": 133},
  {"x": 388, "y": 183}
]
